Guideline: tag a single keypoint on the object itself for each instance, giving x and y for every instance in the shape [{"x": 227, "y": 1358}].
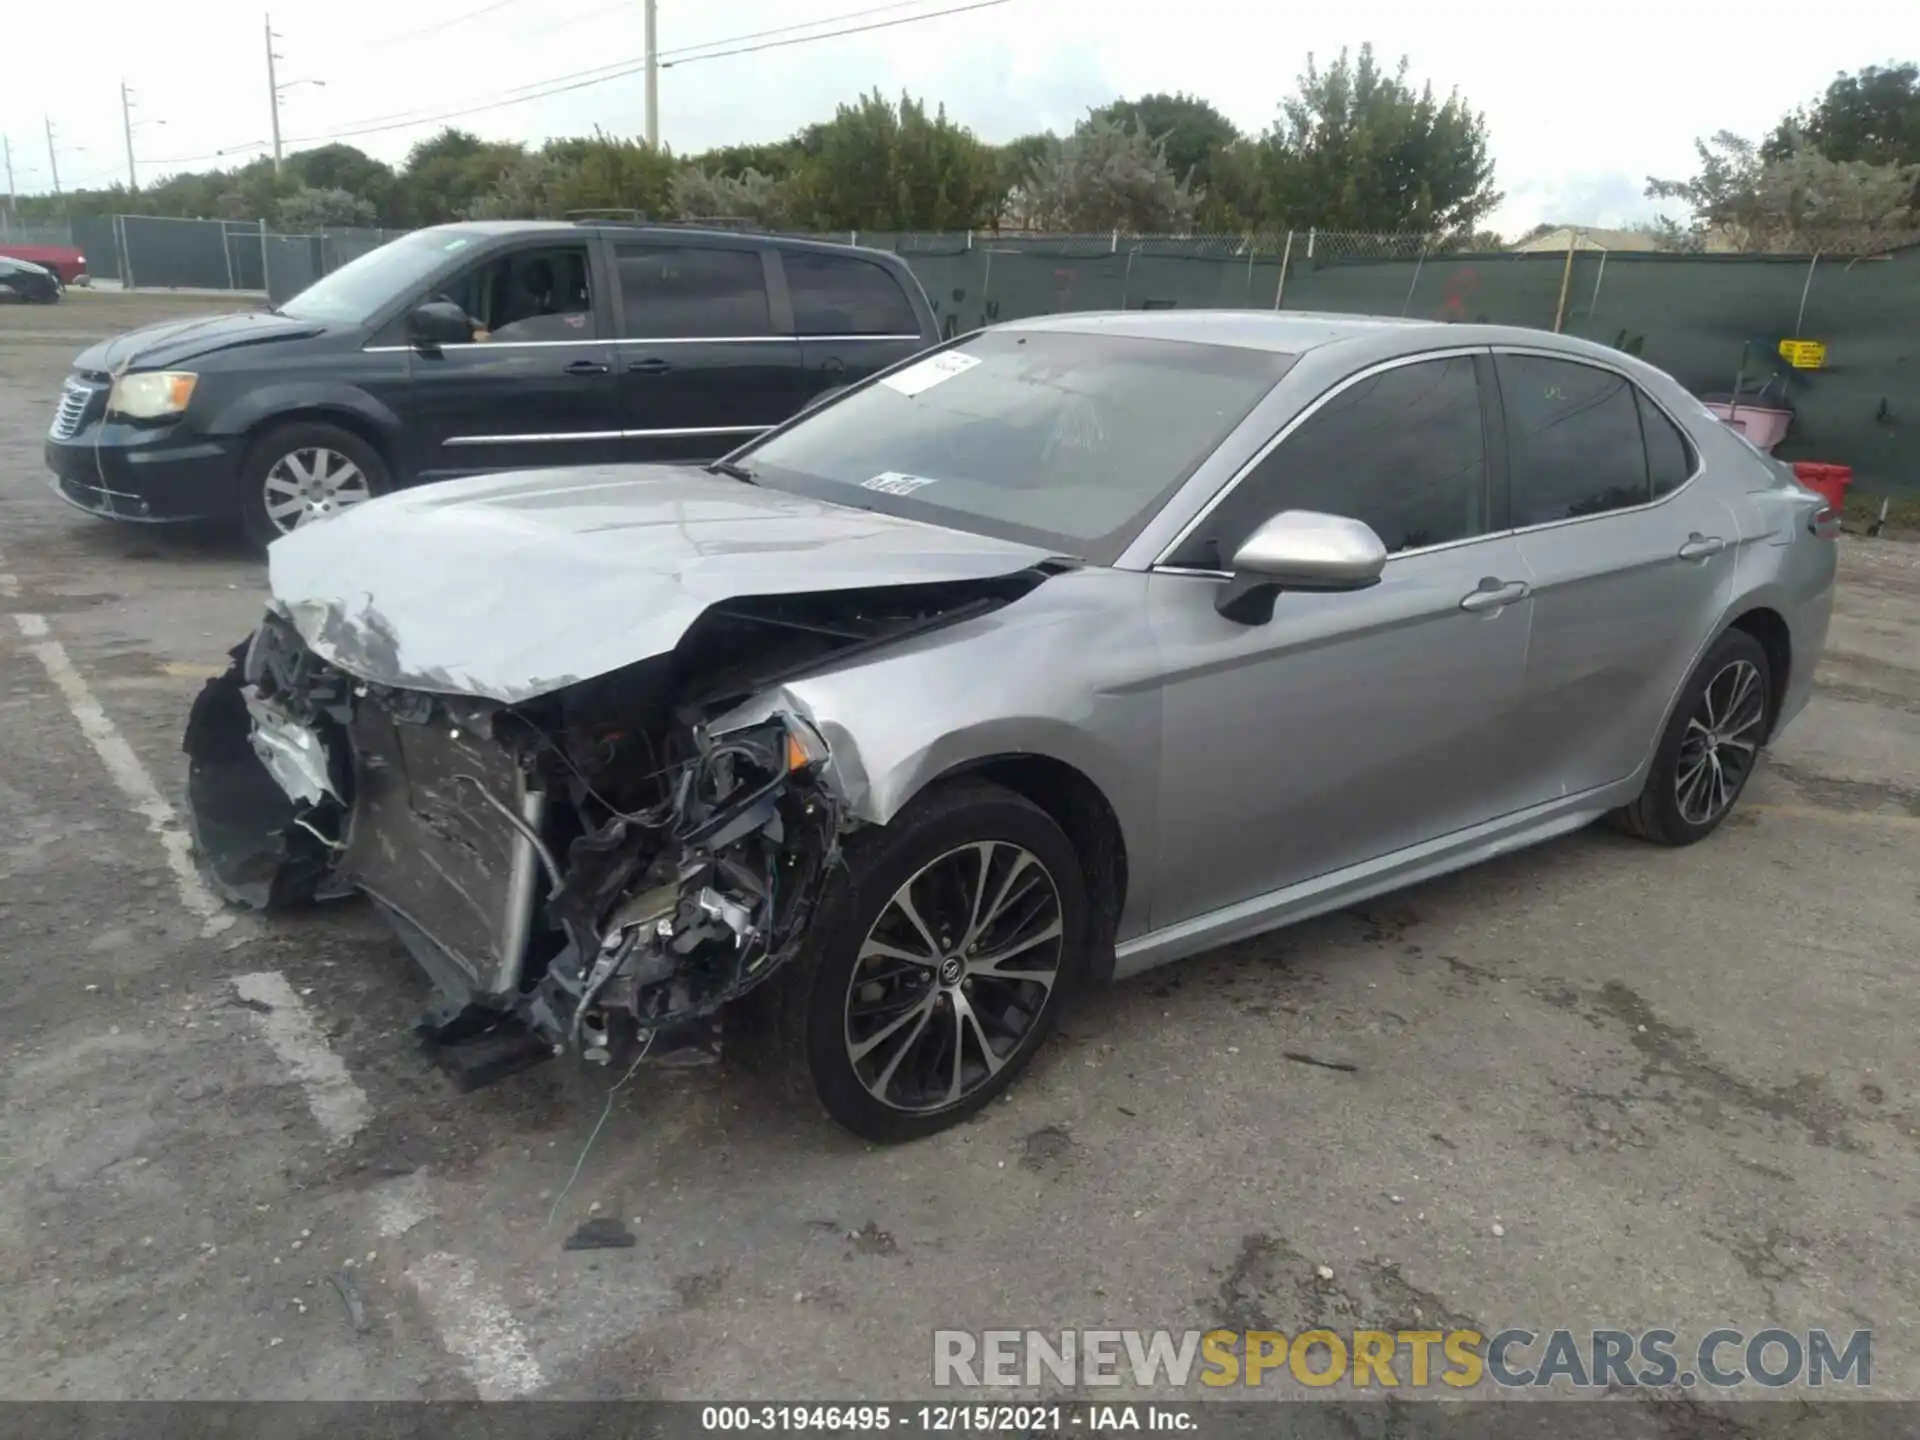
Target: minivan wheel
[
  {"x": 1711, "y": 746},
  {"x": 296, "y": 475},
  {"x": 939, "y": 961}
]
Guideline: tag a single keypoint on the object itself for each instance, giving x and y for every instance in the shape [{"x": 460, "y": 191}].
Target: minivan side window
[
  {"x": 844, "y": 295},
  {"x": 684, "y": 292},
  {"x": 1669, "y": 456},
  {"x": 1573, "y": 439},
  {"x": 539, "y": 294},
  {"x": 1402, "y": 449}
]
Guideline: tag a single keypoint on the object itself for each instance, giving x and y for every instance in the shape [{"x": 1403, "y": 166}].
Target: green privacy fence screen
[{"x": 1707, "y": 319}]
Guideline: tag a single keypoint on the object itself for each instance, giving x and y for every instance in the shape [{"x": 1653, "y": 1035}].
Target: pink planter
[{"x": 1763, "y": 426}]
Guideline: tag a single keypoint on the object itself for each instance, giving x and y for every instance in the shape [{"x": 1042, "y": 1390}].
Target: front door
[
  {"x": 851, "y": 315},
  {"x": 1349, "y": 725},
  {"x": 707, "y": 361},
  {"x": 535, "y": 385},
  {"x": 1632, "y": 566}
]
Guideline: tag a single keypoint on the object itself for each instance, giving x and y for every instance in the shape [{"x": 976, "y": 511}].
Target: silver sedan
[{"x": 1069, "y": 649}]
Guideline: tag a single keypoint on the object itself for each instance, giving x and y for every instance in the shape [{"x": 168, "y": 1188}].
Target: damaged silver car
[{"x": 1079, "y": 645}]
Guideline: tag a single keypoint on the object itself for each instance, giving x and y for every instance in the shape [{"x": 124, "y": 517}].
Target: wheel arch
[
  {"x": 1082, "y": 810},
  {"x": 1769, "y": 627}
]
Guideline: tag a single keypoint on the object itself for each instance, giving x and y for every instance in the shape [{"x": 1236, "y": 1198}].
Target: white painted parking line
[
  {"x": 401, "y": 1204},
  {"x": 128, "y": 773},
  {"x": 336, "y": 1101},
  {"x": 476, "y": 1327}
]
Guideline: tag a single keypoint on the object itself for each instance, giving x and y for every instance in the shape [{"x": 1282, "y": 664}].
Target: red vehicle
[{"x": 64, "y": 260}]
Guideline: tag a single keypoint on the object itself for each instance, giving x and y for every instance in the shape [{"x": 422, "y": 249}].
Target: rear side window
[
  {"x": 1669, "y": 457},
  {"x": 1573, "y": 439},
  {"x": 672, "y": 292},
  {"x": 1402, "y": 449},
  {"x": 844, "y": 295}
]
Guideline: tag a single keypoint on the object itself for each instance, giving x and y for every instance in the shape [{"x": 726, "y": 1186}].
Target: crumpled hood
[
  {"x": 512, "y": 586},
  {"x": 172, "y": 341}
]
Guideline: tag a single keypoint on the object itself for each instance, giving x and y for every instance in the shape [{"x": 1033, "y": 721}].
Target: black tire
[
  {"x": 1658, "y": 813},
  {"x": 291, "y": 442},
  {"x": 803, "y": 1013}
]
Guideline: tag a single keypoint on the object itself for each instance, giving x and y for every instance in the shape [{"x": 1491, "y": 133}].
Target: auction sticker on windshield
[
  {"x": 930, "y": 372},
  {"x": 892, "y": 482}
]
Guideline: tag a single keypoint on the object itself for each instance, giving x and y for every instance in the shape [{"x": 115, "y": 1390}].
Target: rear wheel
[
  {"x": 1710, "y": 748},
  {"x": 300, "y": 474},
  {"x": 939, "y": 962}
]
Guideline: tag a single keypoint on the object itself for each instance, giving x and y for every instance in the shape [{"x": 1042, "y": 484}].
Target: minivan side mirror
[
  {"x": 437, "y": 323},
  {"x": 1300, "y": 550}
]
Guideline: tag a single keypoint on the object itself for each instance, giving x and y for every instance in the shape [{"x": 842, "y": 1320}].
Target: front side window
[
  {"x": 360, "y": 289},
  {"x": 542, "y": 294},
  {"x": 1066, "y": 440},
  {"x": 1573, "y": 439},
  {"x": 1402, "y": 449},
  {"x": 844, "y": 295},
  {"x": 681, "y": 292}
]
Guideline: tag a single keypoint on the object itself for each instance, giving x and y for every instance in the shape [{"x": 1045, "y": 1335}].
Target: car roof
[
  {"x": 654, "y": 229},
  {"x": 1296, "y": 332}
]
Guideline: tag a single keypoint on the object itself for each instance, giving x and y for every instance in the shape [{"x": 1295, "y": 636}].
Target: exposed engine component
[{"x": 596, "y": 862}]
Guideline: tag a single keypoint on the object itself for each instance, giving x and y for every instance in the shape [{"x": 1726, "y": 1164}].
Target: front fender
[{"x": 307, "y": 400}]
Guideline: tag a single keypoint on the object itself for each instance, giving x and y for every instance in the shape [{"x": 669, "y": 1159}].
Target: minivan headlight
[{"x": 151, "y": 394}]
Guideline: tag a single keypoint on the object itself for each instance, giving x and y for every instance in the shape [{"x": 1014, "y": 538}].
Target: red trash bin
[{"x": 1828, "y": 481}]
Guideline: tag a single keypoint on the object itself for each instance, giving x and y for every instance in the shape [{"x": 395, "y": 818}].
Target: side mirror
[
  {"x": 437, "y": 323},
  {"x": 1300, "y": 550}
]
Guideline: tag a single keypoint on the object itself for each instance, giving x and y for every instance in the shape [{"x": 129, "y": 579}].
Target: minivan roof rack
[{"x": 632, "y": 217}]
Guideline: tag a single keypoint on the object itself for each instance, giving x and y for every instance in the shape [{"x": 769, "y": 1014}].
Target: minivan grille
[{"x": 76, "y": 400}]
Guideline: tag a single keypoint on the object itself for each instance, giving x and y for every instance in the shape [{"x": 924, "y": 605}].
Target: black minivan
[{"x": 472, "y": 347}]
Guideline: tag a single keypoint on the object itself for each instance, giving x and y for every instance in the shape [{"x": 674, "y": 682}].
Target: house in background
[{"x": 1559, "y": 238}]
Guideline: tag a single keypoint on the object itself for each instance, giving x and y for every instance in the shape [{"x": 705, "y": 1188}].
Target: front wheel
[
  {"x": 1710, "y": 748},
  {"x": 939, "y": 962},
  {"x": 300, "y": 474}
]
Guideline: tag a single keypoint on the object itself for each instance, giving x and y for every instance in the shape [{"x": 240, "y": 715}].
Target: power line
[
  {"x": 437, "y": 25},
  {"x": 580, "y": 80},
  {"x": 614, "y": 70}
]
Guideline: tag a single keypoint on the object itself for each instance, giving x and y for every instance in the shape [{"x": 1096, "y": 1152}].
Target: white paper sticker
[
  {"x": 893, "y": 482},
  {"x": 930, "y": 372}
]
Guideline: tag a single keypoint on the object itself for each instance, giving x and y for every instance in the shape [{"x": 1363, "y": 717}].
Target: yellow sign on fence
[{"x": 1804, "y": 354}]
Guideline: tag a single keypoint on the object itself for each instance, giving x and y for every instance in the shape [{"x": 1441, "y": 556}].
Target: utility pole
[
  {"x": 653, "y": 75},
  {"x": 126, "y": 128},
  {"x": 53, "y": 160},
  {"x": 273, "y": 95},
  {"x": 7, "y": 145}
]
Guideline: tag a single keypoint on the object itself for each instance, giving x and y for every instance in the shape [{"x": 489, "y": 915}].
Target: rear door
[
  {"x": 535, "y": 386},
  {"x": 707, "y": 354},
  {"x": 1632, "y": 562},
  {"x": 852, "y": 317}
]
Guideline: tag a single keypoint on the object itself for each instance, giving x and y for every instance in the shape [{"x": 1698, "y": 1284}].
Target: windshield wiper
[{"x": 733, "y": 470}]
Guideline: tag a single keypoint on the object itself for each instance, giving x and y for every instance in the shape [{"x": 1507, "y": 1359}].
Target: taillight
[{"x": 1825, "y": 523}]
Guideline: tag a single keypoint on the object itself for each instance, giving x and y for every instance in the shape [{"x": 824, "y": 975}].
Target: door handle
[
  {"x": 1699, "y": 547},
  {"x": 648, "y": 367},
  {"x": 588, "y": 367},
  {"x": 1494, "y": 595}
]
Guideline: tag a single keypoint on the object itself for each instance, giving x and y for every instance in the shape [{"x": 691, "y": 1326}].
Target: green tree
[
  {"x": 1359, "y": 149},
  {"x": 444, "y": 176},
  {"x": 877, "y": 166},
  {"x": 1106, "y": 176},
  {"x": 309, "y": 209},
  {"x": 1741, "y": 200},
  {"x": 775, "y": 160},
  {"x": 749, "y": 196},
  {"x": 1871, "y": 116},
  {"x": 345, "y": 167},
  {"x": 602, "y": 172},
  {"x": 1191, "y": 132}
]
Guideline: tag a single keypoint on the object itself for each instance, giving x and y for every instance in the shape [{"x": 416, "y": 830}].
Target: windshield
[
  {"x": 1069, "y": 441},
  {"x": 358, "y": 290}
]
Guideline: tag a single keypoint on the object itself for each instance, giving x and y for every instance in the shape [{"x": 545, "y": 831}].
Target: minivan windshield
[
  {"x": 1066, "y": 440},
  {"x": 358, "y": 290}
]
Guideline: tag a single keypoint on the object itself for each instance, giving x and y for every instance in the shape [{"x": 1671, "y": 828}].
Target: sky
[{"x": 1582, "y": 102}]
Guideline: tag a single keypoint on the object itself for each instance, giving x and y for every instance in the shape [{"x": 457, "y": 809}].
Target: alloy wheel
[
  {"x": 1721, "y": 742},
  {"x": 307, "y": 485},
  {"x": 953, "y": 974}
]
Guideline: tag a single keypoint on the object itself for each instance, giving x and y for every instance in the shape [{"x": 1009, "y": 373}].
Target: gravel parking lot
[{"x": 1592, "y": 1085}]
